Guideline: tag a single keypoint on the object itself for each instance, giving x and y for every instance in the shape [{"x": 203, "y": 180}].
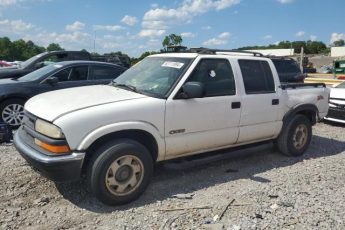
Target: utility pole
[
  {"x": 94, "y": 43},
  {"x": 302, "y": 57}
]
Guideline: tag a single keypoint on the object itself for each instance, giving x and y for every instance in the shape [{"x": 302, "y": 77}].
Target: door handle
[
  {"x": 275, "y": 101},
  {"x": 236, "y": 105}
]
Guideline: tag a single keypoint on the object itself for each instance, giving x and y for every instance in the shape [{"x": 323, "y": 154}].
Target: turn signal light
[{"x": 58, "y": 149}]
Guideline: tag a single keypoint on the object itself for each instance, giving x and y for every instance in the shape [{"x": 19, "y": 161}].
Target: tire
[
  {"x": 119, "y": 171},
  {"x": 12, "y": 112},
  {"x": 295, "y": 137}
]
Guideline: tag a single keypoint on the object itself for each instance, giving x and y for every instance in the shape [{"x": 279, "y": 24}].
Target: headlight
[{"x": 48, "y": 129}]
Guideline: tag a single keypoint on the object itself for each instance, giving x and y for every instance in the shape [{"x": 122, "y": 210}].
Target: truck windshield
[{"x": 153, "y": 76}]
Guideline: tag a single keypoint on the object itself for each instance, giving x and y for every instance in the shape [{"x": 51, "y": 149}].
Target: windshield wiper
[{"x": 130, "y": 87}]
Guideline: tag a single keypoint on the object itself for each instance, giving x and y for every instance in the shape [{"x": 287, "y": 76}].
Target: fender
[
  {"x": 298, "y": 108},
  {"x": 13, "y": 96},
  {"x": 122, "y": 126}
]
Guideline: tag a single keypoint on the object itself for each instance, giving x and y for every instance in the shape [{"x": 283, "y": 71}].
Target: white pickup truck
[{"x": 167, "y": 106}]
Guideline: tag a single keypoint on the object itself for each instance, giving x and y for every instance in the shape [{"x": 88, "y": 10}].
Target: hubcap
[
  {"x": 13, "y": 114},
  {"x": 300, "y": 136},
  {"x": 124, "y": 175}
]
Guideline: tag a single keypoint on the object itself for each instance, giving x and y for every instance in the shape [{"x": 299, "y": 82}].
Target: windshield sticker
[
  {"x": 57, "y": 66},
  {"x": 171, "y": 64}
]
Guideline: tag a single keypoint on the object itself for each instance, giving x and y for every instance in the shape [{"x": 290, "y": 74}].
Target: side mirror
[
  {"x": 192, "y": 89},
  {"x": 52, "y": 80}
]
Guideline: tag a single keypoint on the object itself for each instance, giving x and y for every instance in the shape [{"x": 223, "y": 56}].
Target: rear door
[
  {"x": 260, "y": 102},
  {"x": 201, "y": 124}
]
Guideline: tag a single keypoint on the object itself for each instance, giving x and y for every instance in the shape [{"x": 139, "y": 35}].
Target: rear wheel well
[
  {"x": 140, "y": 136},
  {"x": 310, "y": 114},
  {"x": 309, "y": 111}
]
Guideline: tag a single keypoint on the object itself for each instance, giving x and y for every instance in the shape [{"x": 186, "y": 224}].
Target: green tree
[
  {"x": 142, "y": 56},
  {"x": 339, "y": 43},
  {"x": 297, "y": 45},
  {"x": 172, "y": 40},
  {"x": 54, "y": 47},
  {"x": 6, "y": 49},
  {"x": 19, "y": 47},
  {"x": 176, "y": 39},
  {"x": 310, "y": 47},
  {"x": 315, "y": 47},
  {"x": 166, "y": 42},
  {"x": 25, "y": 50},
  {"x": 18, "y": 50},
  {"x": 284, "y": 45}
]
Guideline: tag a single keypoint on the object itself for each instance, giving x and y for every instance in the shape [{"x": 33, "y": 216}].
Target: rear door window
[
  {"x": 63, "y": 75},
  {"x": 257, "y": 77},
  {"x": 79, "y": 73}
]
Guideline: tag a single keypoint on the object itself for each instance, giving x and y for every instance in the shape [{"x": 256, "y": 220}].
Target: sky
[{"x": 134, "y": 27}]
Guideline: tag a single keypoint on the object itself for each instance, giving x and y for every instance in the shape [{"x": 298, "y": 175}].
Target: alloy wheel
[{"x": 13, "y": 114}]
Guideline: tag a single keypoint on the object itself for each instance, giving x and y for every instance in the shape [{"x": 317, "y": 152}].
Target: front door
[
  {"x": 68, "y": 78},
  {"x": 201, "y": 124}
]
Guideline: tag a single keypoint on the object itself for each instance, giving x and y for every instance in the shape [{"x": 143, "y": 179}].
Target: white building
[{"x": 338, "y": 51}]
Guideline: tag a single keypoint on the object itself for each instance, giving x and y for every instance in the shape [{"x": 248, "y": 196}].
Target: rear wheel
[
  {"x": 295, "y": 136},
  {"x": 120, "y": 171},
  {"x": 12, "y": 112}
]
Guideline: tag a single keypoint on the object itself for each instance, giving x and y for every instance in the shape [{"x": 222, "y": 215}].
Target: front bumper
[{"x": 57, "y": 168}]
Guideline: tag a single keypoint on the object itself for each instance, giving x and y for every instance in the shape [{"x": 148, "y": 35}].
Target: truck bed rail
[{"x": 301, "y": 85}]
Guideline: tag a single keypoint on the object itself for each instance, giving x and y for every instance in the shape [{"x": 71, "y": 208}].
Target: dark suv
[
  {"x": 41, "y": 60},
  {"x": 288, "y": 70}
]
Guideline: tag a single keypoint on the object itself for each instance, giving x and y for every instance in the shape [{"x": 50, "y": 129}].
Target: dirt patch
[{"x": 255, "y": 188}]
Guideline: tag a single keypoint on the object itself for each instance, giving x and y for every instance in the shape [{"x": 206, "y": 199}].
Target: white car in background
[{"x": 336, "y": 110}]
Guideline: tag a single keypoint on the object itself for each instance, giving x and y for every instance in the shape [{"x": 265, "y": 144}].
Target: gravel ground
[{"x": 255, "y": 188}]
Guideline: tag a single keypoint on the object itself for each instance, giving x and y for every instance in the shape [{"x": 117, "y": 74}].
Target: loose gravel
[{"x": 255, "y": 188}]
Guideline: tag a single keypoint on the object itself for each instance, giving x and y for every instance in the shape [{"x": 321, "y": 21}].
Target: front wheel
[
  {"x": 120, "y": 171},
  {"x": 295, "y": 136}
]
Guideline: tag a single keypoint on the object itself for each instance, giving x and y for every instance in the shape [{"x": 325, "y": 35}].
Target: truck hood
[{"x": 49, "y": 106}]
